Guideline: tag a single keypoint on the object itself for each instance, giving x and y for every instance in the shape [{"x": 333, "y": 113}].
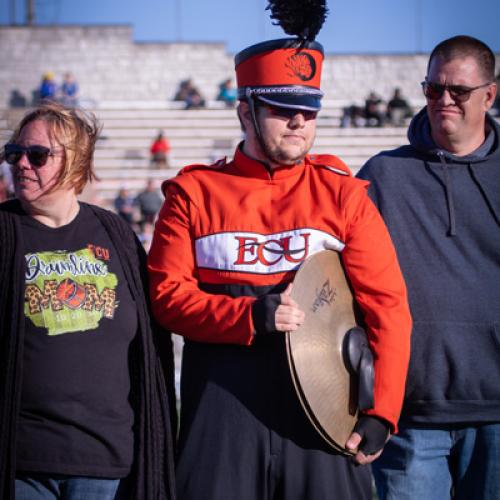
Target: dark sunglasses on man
[
  {"x": 459, "y": 93},
  {"x": 37, "y": 155},
  {"x": 289, "y": 113}
]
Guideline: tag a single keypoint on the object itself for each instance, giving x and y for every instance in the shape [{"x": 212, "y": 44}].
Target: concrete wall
[
  {"x": 109, "y": 65},
  {"x": 105, "y": 61}
]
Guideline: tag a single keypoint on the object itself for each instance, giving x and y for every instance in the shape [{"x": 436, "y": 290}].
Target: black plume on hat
[{"x": 301, "y": 18}]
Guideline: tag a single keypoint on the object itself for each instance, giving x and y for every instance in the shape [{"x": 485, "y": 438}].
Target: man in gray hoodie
[{"x": 440, "y": 198}]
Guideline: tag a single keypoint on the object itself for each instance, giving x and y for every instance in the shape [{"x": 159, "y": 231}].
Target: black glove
[
  {"x": 264, "y": 313},
  {"x": 374, "y": 433}
]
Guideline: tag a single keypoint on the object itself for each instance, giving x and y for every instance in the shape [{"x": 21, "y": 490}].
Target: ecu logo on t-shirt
[{"x": 262, "y": 253}]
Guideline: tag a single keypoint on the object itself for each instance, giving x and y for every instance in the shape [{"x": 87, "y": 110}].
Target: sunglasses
[
  {"x": 289, "y": 113},
  {"x": 459, "y": 93},
  {"x": 37, "y": 155}
]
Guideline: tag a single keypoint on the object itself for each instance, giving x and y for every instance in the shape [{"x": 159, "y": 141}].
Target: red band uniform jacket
[{"x": 234, "y": 223}]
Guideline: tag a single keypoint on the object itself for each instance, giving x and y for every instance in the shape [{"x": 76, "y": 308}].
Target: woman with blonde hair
[{"x": 85, "y": 409}]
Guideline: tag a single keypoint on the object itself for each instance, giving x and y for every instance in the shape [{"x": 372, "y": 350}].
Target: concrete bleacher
[
  {"x": 129, "y": 86},
  {"x": 202, "y": 136},
  {"x": 199, "y": 136}
]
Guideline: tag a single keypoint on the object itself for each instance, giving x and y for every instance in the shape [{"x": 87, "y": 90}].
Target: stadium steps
[{"x": 198, "y": 136}]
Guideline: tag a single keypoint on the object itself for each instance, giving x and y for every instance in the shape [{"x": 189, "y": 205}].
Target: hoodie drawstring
[{"x": 449, "y": 195}]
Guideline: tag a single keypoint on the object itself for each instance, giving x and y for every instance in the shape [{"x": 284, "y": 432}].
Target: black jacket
[{"x": 153, "y": 396}]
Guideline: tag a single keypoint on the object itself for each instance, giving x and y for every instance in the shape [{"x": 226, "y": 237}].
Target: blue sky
[{"x": 353, "y": 26}]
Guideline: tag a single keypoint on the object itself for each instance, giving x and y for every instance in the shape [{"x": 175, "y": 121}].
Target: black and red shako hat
[{"x": 286, "y": 72}]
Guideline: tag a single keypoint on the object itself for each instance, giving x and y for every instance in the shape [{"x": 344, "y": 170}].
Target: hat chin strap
[
  {"x": 250, "y": 99},
  {"x": 253, "y": 113}
]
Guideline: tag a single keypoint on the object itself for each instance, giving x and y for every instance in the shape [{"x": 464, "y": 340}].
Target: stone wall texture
[{"x": 110, "y": 66}]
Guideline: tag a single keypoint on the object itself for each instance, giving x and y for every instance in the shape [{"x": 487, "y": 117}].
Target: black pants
[{"x": 244, "y": 435}]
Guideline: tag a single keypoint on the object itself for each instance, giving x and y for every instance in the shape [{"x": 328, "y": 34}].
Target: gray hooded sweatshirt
[{"x": 443, "y": 213}]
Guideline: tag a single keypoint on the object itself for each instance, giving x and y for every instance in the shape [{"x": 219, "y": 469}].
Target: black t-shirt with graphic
[{"x": 80, "y": 319}]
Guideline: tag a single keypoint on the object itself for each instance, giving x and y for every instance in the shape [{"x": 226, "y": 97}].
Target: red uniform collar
[{"x": 257, "y": 169}]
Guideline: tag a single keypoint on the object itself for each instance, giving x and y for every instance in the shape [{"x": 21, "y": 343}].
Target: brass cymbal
[{"x": 322, "y": 380}]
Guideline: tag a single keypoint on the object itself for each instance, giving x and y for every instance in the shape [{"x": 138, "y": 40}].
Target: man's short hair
[{"x": 462, "y": 46}]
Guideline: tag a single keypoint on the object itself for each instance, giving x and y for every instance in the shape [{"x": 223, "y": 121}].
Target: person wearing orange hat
[{"x": 227, "y": 244}]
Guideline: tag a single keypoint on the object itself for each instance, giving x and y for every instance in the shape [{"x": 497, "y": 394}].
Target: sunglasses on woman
[
  {"x": 459, "y": 93},
  {"x": 37, "y": 155}
]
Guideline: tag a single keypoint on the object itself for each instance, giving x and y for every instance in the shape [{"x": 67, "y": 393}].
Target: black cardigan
[{"x": 152, "y": 379}]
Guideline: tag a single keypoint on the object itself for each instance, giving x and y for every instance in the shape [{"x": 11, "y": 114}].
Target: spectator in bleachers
[
  {"x": 353, "y": 116},
  {"x": 124, "y": 205},
  {"x": 149, "y": 202},
  {"x": 190, "y": 95},
  {"x": 398, "y": 109},
  {"x": 146, "y": 235},
  {"x": 227, "y": 93},
  {"x": 159, "y": 151},
  {"x": 17, "y": 100},
  {"x": 6, "y": 173},
  {"x": 48, "y": 87},
  {"x": 69, "y": 90},
  {"x": 374, "y": 114}
]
